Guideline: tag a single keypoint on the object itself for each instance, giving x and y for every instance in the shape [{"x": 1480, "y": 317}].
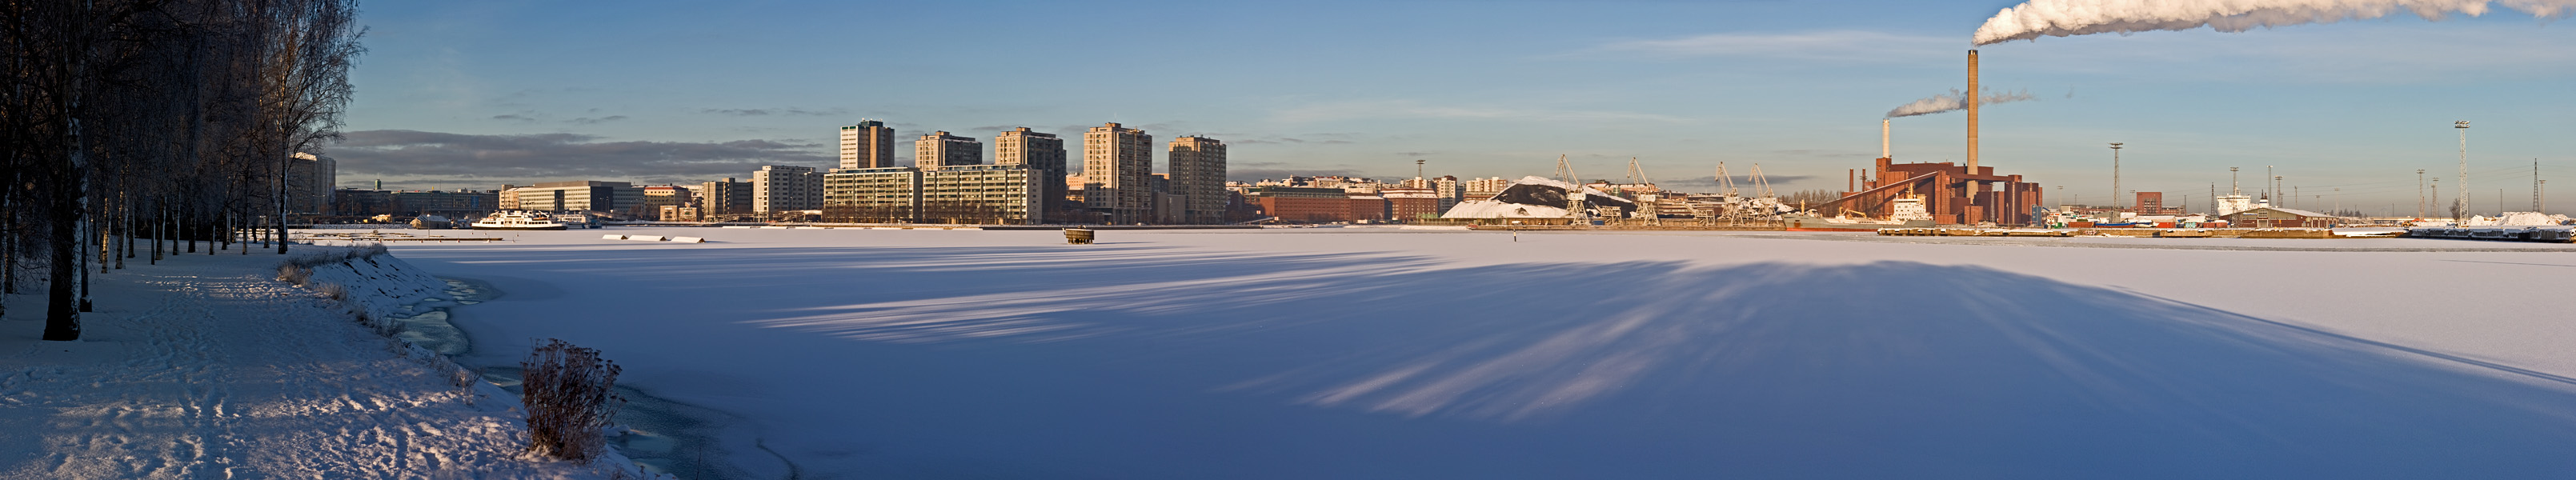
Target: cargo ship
[{"x": 1904, "y": 212}]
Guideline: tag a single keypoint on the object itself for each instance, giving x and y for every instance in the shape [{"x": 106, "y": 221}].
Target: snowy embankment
[
  {"x": 1390, "y": 353},
  {"x": 210, "y": 366}
]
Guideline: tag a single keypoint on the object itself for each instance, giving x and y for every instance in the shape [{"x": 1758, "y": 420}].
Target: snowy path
[
  {"x": 1379, "y": 353},
  {"x": 202, "y": 367}
]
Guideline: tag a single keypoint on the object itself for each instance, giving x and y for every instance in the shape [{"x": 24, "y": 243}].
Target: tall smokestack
[
  {"x": 1973, "y": 93},
  {"x": 1882, "y": 139}
]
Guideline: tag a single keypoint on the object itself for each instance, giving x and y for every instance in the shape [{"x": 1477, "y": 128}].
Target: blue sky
[{"x": 476, "y": 94}]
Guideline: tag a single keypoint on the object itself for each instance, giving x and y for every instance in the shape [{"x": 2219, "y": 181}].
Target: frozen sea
[{"x": 1388, "y": 353}]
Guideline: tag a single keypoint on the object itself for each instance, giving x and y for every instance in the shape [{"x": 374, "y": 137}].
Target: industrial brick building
[
  {"x": 1952, "y": 193},
  {"x": 1317, "y": 205}
]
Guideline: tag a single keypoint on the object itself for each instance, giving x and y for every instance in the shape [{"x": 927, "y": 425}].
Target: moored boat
[{"x": 518, "y": 220}]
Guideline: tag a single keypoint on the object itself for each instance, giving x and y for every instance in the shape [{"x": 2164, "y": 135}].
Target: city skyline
[{"x": 1496, "y": 90}]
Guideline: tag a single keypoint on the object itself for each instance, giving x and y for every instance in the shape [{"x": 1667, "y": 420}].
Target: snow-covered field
[
  {"x": 1387, "y": 353},
  {"x": 205, "y": 366}
]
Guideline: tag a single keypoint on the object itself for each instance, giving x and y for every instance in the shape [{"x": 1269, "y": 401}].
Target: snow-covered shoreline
[{"x": 208, "y": 365}]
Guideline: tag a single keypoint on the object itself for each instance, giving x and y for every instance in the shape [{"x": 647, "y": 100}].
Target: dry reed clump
[
  {"x": 333, "y": 291},
  {"x": 569, "y": 395},
  {"x": 294, "y": 274}
]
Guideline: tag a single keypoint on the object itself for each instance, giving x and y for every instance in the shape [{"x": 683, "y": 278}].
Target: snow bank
[
  {"x": 380, "y": 285},
  {"x": 2518, "y": 219}
]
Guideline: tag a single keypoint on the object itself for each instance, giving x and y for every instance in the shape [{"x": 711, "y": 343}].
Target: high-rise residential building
[
  {"x": 1485, "y": 188},
  {"x": 724, "y": 197},
  {"x": 1116, "y": 163},
  {"x": 780, "y": 188},
  {"x": 1451, "y": 192},
  {"x": 939, "y": 149},
  {"x": 309, "y": 181},
  {"x": 1198, "y": 173},
  {"x": 1041, "y": 152},
  {"x": 869, "y": 144}
]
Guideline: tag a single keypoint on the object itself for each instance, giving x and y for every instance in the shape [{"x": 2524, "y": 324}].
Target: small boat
[{"x": 518, "y": 221}]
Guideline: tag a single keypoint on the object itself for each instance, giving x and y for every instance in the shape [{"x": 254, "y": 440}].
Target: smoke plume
[
  {"x": 2060, "y": 18},
  {"x": 1955, "y": 100}
]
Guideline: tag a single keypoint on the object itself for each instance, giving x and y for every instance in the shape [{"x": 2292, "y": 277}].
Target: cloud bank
[{"x": 486, "y": 161}]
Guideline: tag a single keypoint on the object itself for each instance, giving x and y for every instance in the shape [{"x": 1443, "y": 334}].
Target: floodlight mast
[
  {"x": 2115, "y": 182},
  {"x": 2463, "y": 185}
]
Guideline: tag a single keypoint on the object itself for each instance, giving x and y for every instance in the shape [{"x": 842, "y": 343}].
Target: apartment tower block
[
  {"x": 1198, "y": 176},
  {"x": 1117, "y": 165},
  {"x": 939, "y": 149},
  {"x": 777, "y": 188},
  {"x": 1041, "y": 152},
  {"x": 869, "y": 144}
]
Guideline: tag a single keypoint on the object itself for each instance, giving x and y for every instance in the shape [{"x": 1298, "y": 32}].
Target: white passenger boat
[{"x": 518, "y": 221}]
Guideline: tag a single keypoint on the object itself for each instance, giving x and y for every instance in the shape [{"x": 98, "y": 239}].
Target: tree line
[{"x": 152, "y": 125}]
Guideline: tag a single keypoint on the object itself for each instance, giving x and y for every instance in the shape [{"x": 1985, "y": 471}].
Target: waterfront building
[
  {"x": 967, "y": 194},
  {"x": 658, "y": 196},
  {"x": 1198, "y": 177},
  {"x": 1317, "y": 204},
  {"x": 1116, "y": 165},
  {"x": 869, "y": 144},
  {"x": 579, "y": 196},
  {"x": 677, "y": 213},
  {"x": 781, "y": 188},
  {"x": 448, "y": 203},
  {"x": 982, "y": 194},
  {"x": 1408, "y": 204},
  {"x": 724, "y": 197},
  {"x": 508, "y": 198},
  {"x": 355, "y": 202},
  {"x": 872, "y": 195},
  {"x": 1041, "y": 152}
]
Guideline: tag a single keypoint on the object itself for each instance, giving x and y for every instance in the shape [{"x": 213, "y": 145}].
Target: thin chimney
[
  {"x": 1882, "y": 138},
  {"x": 1973, "y": 100}
]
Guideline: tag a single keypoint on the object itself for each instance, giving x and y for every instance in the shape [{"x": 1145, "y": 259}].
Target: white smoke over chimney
[
  {"x": 2060, "y": 18},
  {"x": 1955, "y": 100}
]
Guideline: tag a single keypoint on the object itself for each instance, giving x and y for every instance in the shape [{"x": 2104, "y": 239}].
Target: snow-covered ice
[
  {"x": 1392, "y": 353},
  {"x": 205, "y": 366}
]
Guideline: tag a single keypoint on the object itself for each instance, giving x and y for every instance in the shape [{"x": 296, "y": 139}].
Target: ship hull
[
  {"x": 486, "y": 227},
  {"x": 1813, "y": 224}
]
